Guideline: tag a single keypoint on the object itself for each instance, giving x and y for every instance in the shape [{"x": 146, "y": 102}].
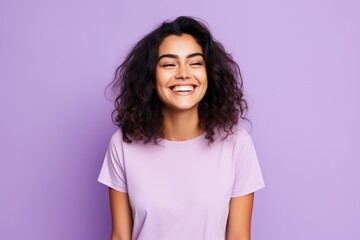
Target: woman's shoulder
[
  {"x": 117, "y": 138},
  {"x": 242, "y": 140},
  {"x": 238, "y": 133}
]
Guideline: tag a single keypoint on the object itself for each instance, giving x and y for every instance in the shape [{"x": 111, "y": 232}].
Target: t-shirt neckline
[{"x": 185, "y": 143}]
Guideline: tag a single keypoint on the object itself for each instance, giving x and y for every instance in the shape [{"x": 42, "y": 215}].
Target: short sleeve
[
  {"x": 112, "y": 172},
  {"x": 248, "y": 176}
]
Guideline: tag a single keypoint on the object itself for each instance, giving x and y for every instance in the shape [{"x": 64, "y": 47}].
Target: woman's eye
[
  {"x": 168, "y": 65},
  {"x": 196, "y": 64}
]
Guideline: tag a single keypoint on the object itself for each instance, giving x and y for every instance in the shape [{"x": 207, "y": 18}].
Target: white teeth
[{"x": 183, "y": 88}]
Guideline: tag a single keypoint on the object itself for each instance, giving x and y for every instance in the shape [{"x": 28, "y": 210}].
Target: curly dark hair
[{"x": 137, "y": 106}]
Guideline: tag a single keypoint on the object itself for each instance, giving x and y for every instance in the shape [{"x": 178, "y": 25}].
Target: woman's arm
[
  {"x": 122, "y": 222},
  {"x": 239, "y": 220}
]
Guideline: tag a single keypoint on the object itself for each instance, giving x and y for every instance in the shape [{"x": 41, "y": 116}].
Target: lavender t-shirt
[{"x": 181, "y": 190}]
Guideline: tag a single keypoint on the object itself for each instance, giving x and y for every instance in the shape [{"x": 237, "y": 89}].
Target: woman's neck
[{"x": 181, "y": 125}]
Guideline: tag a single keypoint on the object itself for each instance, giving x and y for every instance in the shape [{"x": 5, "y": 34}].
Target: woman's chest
[{"x": 178, "y": 179}]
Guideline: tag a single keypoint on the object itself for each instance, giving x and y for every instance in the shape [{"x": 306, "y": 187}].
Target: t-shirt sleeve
[
  {"x": 112, "y": 172},
  {"x": 248, "y": 176}
]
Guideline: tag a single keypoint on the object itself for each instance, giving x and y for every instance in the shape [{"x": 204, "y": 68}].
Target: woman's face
[{"x": 181, "y": 79}]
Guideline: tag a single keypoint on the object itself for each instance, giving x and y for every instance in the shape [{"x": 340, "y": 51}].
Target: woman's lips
[{"x": 182, "y": 88}]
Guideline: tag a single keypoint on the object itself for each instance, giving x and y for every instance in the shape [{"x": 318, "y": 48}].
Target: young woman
[{"x": 180, "y": 167}]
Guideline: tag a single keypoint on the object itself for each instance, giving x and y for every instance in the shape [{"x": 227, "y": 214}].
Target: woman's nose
[{"x": 182, "y": 73}]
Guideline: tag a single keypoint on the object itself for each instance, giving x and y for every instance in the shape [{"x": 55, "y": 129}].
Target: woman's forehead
[{"x": 182, "y": 45}]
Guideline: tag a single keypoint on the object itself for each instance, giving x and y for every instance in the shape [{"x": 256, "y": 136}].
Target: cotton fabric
[{"x": 181, "y": 189}]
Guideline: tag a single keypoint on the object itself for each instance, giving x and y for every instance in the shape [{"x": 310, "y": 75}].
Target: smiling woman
[
  {"x": 180, "y": 167},
  {"x": 181, "y": 82}
]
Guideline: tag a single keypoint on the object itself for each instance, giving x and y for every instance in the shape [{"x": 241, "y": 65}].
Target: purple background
[{"x": 301, "y": 65}]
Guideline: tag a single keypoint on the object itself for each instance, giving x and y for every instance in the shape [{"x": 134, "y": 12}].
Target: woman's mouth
[{"x": 182, "y": 88}]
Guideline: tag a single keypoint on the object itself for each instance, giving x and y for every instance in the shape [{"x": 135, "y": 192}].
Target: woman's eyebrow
[{"x": 177, "y": 57}]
